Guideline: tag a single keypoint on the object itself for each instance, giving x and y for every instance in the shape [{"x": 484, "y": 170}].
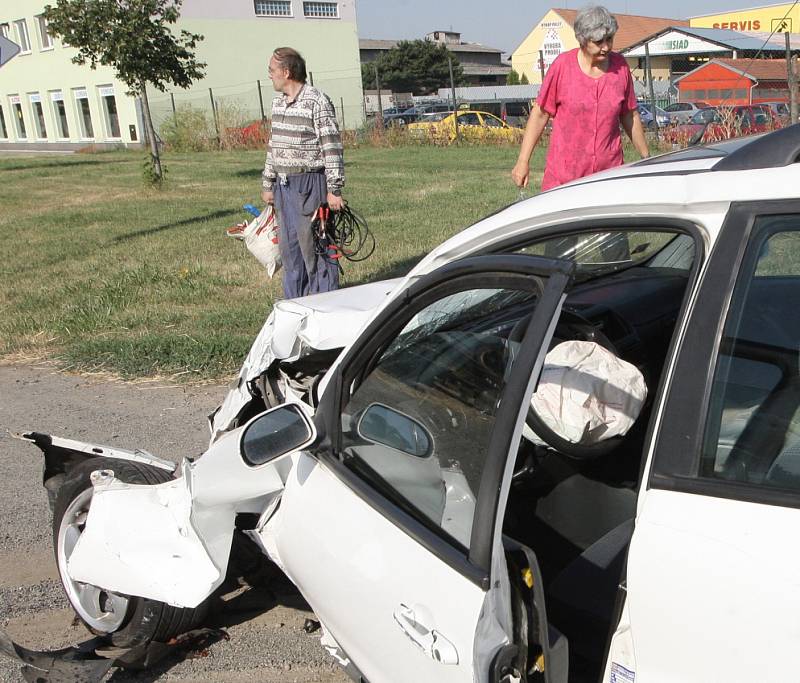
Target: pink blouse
[{"x": 586, "y": 115}]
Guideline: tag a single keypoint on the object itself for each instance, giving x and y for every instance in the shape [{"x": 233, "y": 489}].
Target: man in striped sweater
[{"x": 304, "y": 169}]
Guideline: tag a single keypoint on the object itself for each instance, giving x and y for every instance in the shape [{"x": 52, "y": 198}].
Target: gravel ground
[{"x": 265, "y": 626}]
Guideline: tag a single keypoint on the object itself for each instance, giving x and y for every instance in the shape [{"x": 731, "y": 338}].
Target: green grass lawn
[{"x": 102, "y": 274}]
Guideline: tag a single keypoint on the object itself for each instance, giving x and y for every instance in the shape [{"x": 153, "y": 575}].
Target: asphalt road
[{"x": 264, "y": 625}]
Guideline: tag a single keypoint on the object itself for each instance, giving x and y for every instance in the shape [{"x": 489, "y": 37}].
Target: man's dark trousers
[{"x": 297, "y": 197}]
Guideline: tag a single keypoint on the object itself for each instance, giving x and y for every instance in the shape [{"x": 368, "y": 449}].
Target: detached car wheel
[{"x": 126, "y": 621}]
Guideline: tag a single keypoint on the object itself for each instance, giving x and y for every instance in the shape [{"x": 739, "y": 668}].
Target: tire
[{"x": 125, "y": 621}]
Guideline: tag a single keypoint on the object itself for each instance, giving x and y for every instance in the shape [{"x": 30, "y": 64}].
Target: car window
[
  {"x": 417, "y": 426},
  {"x": 469, "y": 119},
  {"x": 597, "y": 253},
  {"x": 752, "y": 431},
  {"x": 492, "y": 122},
  {"x": 705, "y": 116},
  {"x": 673, "y": 107}
]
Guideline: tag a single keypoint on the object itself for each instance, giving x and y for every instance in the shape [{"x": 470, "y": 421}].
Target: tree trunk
[{"x": 151, "y": 134}]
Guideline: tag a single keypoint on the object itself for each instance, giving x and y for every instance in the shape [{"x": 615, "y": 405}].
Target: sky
[{"x": 505, "y": 23}]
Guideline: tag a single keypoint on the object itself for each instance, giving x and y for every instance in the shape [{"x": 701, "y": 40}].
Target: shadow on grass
[
  {"x": 176, "y": 224},
  {"x": 249, "y": 173},
  {"x": 398, "y": 269},
  {"x": 60, "y": 164}
]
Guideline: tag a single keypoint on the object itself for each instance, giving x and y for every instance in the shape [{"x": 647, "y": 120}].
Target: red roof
[
  {"x": 760, "y": 69},
  {"x": 632, "y": 27}
]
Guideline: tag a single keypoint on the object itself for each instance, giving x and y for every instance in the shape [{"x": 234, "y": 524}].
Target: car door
[
  {"x": 713, "y": 565},
  {"x": 391, "y": 528}
]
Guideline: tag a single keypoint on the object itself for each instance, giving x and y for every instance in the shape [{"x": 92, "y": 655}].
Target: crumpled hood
[{"x": 321, "y": 321}]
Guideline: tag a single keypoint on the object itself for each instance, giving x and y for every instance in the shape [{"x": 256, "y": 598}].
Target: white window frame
[
  {"x": 35, "y": 98},
  {"x": 77, "y": 95},
  {"x": 307, "y": 4},
  {"x": 14, "y": 101},
  {"x": 104, "y": 91},
  {"x": 3, "y": 124},
  {"x": 58, "y": 96},
  {"x": 23, "y": 36},
  {"x": 265, "y": 4},
  {"x": 5, "y": 30},
  {"x": 45, "y": 39}
]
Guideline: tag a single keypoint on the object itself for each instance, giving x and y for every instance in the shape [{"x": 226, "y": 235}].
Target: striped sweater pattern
[{"x": 304, "y": 137}]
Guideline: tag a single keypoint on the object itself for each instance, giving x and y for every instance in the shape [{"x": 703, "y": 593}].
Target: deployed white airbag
[{"x": 587, "y": 394}]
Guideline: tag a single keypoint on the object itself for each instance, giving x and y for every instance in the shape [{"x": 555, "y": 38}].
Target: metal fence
[{"x": 239, "y": 104}]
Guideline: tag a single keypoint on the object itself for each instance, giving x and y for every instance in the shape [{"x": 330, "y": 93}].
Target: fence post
[
  {"x": 341, "y": 106},
  {"x": 791, "y": 80},
  {"x": 650, "y": 86},
  {"x": 214, "y": 113},
  {"x": 453, "y": 88},
  {"x": 378, "y": 88},
  {"x": 172, "y": 98},
  {"x": 311, "y": 78},
  {"x": 261, "y": 101}
]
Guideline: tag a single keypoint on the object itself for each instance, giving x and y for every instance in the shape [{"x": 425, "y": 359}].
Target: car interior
[{"x": 574, "y": 505}]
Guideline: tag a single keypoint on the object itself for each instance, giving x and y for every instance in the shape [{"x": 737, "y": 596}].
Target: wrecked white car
[{"x": 565, "y": 447}]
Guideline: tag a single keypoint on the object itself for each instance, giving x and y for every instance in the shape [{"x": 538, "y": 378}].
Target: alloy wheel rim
[{"x": 102, "y": 610}]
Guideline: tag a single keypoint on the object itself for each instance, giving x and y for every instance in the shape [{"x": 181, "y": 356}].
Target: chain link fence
[{"x": 218, "y": 115}]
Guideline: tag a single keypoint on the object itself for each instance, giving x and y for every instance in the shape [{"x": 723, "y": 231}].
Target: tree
[
  {"x": 523, "y": 80},
  {"x": 418, "y": 66},
  {"x": 512, "y": 78},
  {"x": 134, "y": 38}
]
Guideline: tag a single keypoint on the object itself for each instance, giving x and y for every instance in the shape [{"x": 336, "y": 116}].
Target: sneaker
[{"x": 237, "y": 231}]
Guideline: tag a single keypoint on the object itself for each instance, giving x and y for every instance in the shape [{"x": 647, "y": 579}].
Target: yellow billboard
[
  {"x": 783, "y": 18},
  {"x": 548, "y": 39}
]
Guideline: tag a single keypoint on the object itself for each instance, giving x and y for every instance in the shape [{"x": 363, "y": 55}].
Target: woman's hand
[
  {"x": 521, "y": 173},
  {"x": 533, "y": 131}
]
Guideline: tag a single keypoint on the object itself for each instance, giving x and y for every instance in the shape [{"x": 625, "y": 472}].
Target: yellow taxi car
[{"x": 472, "y": 125}]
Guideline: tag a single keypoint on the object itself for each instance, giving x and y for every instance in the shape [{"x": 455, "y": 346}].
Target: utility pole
[
  {"x": 380, "y": 102},
  {"x": 453, "y": 90},
  {"x": 791, "y": 78},
  {"x": 650, "y": 86},
  {"x": 541, "y": 64}
]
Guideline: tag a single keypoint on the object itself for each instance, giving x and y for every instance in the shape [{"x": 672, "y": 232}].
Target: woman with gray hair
[{"x": 588, "y": 92}]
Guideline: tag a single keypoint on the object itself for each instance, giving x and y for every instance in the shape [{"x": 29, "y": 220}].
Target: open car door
[{"x": 392, "y": 527}]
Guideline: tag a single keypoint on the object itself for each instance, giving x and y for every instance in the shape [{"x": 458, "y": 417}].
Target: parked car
[
  {"x": 778, "y": 110},
  {"x": 413, "y": 113},
  {"x": 681, "y": 112},
  {"x": 470, "y": 123},
  {"x": 646, "y": 114},
  {"x": 396, "y": 448},
  {"x": 722, "y": 123}
]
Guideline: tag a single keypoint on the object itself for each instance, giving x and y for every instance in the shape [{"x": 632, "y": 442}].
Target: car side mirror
[
  {"x": 384, "y": 425},
  {"x": 276, "y": 432}
]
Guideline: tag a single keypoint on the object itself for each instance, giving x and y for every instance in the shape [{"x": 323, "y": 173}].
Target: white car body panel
[
  {"x": 140, "y": 540},
  {"x": 172, "y": 541},
  {"x": 359, "y": 553},
  {"x": 717, "y": 567}
]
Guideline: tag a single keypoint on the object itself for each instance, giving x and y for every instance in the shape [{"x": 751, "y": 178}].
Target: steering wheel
[{"x": 571, "y": 325}]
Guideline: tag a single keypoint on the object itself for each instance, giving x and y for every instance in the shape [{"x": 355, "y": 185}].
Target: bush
[
  {"x": 194, "y": 130},
  {"x": 189, "y": 130}
]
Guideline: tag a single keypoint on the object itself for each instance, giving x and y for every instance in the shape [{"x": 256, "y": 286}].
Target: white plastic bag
[
  {"x": 261, "y": 239},
  {"x": 586, "y": 394}
]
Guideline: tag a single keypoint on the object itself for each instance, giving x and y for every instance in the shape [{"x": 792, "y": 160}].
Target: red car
[{"x": 722, "y": 123}]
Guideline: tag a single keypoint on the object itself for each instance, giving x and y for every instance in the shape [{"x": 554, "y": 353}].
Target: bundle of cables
[{"x": 342, "y": 235}]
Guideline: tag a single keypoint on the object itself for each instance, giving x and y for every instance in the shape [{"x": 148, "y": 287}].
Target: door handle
[{"x": 431, "y": 642}]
